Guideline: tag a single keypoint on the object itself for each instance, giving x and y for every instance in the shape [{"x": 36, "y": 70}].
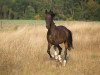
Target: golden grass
[{"x": 23, "y": 51}]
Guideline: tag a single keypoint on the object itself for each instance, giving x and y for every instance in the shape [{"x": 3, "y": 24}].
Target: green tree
[
  {"x": 29, "y": 13},
  {"x": 65, "y": 9}
]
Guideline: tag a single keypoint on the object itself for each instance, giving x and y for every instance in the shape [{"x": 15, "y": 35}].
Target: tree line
[{"x": 64, "y": 9}]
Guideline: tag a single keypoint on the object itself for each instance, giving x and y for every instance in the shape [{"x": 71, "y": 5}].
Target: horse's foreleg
[{"x": 48, "y": 50}]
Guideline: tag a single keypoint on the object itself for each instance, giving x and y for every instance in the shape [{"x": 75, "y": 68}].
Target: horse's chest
[
  {"x": 51, "y": 37},
  {"x": 55, "y": 38}
]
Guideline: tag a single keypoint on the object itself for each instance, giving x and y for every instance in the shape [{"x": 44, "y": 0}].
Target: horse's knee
[{"x": 48, "y": 51}]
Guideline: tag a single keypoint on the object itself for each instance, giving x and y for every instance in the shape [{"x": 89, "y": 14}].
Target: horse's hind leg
[
  {"x": 65, "y": 52},
  {"x": 55, "y": 53},
  {"x": 59, "y": 55},
  {"x": 48, "y": 50}
]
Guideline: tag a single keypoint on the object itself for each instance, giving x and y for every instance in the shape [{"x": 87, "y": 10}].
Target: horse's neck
[{"x": 53, "y": 26}]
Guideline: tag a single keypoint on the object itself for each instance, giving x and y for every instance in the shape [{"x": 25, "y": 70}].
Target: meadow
[{"x": 23, "y": 49}]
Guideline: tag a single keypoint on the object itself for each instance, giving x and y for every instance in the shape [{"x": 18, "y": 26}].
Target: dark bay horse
[{"x": 57, "y": 35}]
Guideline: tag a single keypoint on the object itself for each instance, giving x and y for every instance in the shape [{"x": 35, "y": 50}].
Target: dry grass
[{"x": 23, "y": 51}]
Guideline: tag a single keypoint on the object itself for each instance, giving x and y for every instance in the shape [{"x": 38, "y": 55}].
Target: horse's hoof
[
  {"x": 64, "y": 63},
  {"x": 59, "y": 58},
  {"x": 56, "y": 57},
  {"x": 53, "y": 56},
  {"x": 60, "y": 61}
]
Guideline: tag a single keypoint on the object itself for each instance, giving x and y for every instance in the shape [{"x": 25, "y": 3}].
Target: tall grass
[{"x": 23, "y": 50}]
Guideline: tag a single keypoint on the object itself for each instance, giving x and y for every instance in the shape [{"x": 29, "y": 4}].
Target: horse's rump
[{"x": 68, "y": 36}]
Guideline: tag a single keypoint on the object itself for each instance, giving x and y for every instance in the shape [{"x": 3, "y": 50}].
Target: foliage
[{"x": 65, "y": 9}]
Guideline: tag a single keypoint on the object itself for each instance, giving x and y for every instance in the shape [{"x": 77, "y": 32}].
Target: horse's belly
[
  {"x": 57, "y": 37},
  {"x": 56, "y": 40}
]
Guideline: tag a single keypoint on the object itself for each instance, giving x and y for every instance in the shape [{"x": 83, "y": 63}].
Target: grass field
[{"x": 23, "y": 49}]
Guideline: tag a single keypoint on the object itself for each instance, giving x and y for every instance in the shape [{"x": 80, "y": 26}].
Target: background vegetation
[
  {"x": 23, "y": 49},
  {"x": 65, "y": 9}
]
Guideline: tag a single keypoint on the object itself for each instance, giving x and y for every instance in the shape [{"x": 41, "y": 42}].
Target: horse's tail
[{"x": 70, "y": 41}]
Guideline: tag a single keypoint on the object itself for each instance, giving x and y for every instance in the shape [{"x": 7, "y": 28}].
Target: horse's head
[{"x": 49, "y": 18}]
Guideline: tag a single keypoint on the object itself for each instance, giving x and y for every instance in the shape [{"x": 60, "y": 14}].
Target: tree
[{"x": 65, "y": 9}]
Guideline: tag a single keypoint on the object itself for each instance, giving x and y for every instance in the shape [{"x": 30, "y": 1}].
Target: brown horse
[{"x": 57, "y": 35}]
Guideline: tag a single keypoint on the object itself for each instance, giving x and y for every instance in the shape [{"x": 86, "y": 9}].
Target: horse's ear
[
  {"x": 46, "y": 11},
  {"x": 52, "y": 13}
]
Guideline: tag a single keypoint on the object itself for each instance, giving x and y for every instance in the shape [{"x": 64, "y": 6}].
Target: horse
[{"x": 57, "y": 35}]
